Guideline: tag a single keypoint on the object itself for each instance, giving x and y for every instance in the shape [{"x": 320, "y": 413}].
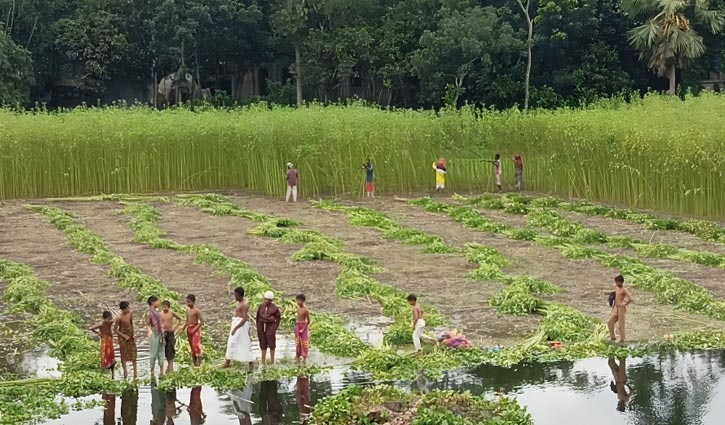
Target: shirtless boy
[
  {"x": 302, "y": 330},
  {"x": 167, "y": 319},
  {"x": 123, "y": 328},
  {"x": 239, "y": 345},
  {"x": 418, "y": 323},
  {"x": 619, "y": 310},
  {"x": 104, "y": 329},
  {"x": 194, "y": 321}
]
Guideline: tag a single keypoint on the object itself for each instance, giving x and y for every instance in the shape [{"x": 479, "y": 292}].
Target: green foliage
[
  {"x": 354, "y": 404},
  {"x": 16, "y": 72}
]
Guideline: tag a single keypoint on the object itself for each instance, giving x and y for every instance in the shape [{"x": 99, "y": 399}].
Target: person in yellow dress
[{"x": 440, "y": 169}]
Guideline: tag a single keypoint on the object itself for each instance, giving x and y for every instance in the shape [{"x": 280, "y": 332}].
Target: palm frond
[{"x": 714, "y": 19}]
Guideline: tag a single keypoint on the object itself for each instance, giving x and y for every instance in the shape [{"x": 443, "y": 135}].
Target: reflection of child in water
[
  {"x": 620, "y": 386},
  {"x": 304, "y": 397},
  {"x": 270, "y": 408}
]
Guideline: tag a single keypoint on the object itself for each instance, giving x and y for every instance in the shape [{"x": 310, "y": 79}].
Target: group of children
[{"x": 164, "y": 324}]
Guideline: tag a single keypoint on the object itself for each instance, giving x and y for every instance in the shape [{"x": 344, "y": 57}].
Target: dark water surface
[{"x": 669, "y": 388}]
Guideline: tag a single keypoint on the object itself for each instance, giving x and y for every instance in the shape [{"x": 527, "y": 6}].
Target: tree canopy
[{"x": 413, "y": 53}]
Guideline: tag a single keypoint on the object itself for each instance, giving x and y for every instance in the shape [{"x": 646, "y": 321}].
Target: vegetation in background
[
  {"x": 16, "y": 72},
  {"x": 638, "y": 155}
]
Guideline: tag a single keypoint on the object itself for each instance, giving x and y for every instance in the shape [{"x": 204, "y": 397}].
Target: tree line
[{"x": 413, "y": 53}]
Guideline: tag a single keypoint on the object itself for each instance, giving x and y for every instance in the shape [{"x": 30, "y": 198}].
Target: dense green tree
[
  {"x": 464, "y": 47},
  {"x": 667, "y": 37},
  {"x": 16, "y": 72}
]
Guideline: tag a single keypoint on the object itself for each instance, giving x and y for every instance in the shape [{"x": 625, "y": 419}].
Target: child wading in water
[
  {"x": 369, "y": 179},
  {"x": 104, "y": 329},
  {"x": 156, "y": 336},
  {"x": 440, "y": 169},
  {"x": 291, "y": 183},
  {"x": 302, "y": 330},
  {"x": 268, "y": 317},
  {"x": 194, "y": 321},
  {"x": 619, "y": 309},
  {"x": 518, "y": 170},
  {"x": 126, "y": 339},
  {"x": 168, "y": 316},
  {"x": 418, "y": 324}
]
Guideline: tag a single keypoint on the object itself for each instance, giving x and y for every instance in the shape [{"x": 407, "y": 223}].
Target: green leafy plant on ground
[
  {"x": 355, "y": 278},
  {"x": 668, "y": 287},
  {"x": 383, "y": 404},
  {"x": 30, "y": 401},
  {"x": 328, "y": 333}
]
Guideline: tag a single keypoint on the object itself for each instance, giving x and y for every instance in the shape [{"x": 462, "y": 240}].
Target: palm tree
[{"x": 666, "y": 37}]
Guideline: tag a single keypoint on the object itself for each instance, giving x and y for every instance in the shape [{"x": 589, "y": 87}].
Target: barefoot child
[
  {"x": 440, "y": 169},
  {"x": 167, "y": 317},
  {"x": 239, "y": 345},
  {"x": 268, "y": 317},
  {"x": 194, "y": 321},
  {"x": 126, "y": 339},
  {"x": 105, "y": 331},
  {"x": 156, "y": 335},
  {"x": 418, "y": 323},
  {"x": 619, "y": 309},
  {"x": 302, "y": 330}
]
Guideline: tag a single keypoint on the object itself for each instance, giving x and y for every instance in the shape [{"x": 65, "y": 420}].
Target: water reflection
[
  {"x": 109, "y": 413},
  {"x": 129, "y": 407},
  {"x": 270, "y": 408},
  {"x": 671, "y": 388},
  {"x": 303, "y": 395},
  {"x": 619, "y": 385}
]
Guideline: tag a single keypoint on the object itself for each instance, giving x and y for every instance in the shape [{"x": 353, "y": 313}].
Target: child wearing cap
[
  {"x": 268, "y": 317},
  {"x": 291, "y": 183}
]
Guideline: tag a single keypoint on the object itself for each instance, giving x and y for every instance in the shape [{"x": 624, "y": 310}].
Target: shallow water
[{"x": 669, "y": 388}]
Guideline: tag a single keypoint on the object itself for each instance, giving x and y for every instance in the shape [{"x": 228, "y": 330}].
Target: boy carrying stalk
[
  {"x": 168, "y": 316},
  {"x": 126, "y": 339},
  {"x": 194, "y": 321},
  {"x": 498, "y": 172},
  {"x": 418, "y": 324},
  {"x": 104, "y": 330}
]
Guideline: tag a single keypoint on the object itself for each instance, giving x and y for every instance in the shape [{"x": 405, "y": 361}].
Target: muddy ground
[{"x": 441, "y": 281}]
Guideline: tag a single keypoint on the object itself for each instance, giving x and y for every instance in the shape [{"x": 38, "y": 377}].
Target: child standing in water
[
  {"x": 104, "y": 329},
  {"x": 126, "y": 339},
  {"x": 156, "y": 335},
  {"x": 291, "y": 183},
  {"x": 518, "y": 170},
  {"x": 440, "y": 169},
  {"x": 369, "y": 179},
  {"x": 302, "y": 330},
  {"x": 498, "y": 171},
  {"x": 268, "y": 317},
  {"x": 168, "y": 316},
  {"x": 193, "y": 328}
]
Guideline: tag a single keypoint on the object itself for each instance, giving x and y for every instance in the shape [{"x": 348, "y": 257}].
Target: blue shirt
[{"x": 369, "y": 173}]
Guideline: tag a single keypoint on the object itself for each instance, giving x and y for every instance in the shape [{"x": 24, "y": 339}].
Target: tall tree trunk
[
  {"x": 298, "y": 73},
  {"x": 530, "y": 47},
  {"x": 527, "y": 84},
  {"x": 672, "y": 75}
]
